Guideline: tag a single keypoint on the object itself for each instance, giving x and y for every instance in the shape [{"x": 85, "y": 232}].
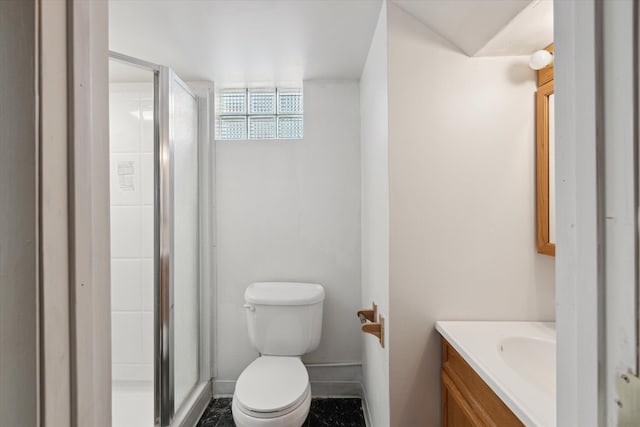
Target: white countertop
[{"x": 531, "y": 399}]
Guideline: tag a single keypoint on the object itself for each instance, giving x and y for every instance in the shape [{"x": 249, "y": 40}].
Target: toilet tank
[{"x": 284, "y": 318}]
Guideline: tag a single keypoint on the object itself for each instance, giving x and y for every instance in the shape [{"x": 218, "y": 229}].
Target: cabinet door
[
  {"x": 456, "y": 411},
  {"x": 472, "y": 399}
]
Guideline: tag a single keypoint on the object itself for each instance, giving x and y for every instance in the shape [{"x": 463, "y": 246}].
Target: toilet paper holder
[{"x": 368, "y": 324}]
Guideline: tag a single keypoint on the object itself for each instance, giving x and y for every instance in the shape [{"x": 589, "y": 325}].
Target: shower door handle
[{"x": 250, "y": 307}]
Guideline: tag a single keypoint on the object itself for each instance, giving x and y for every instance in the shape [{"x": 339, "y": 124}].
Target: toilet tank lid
[{"x": 284, "y": 293}]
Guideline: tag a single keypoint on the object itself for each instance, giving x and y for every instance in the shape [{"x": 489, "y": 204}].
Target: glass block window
[
  {"x": 289, "y": 127},
  {"x": 290, "y": 101},
  {"x": 262, "y": 101},
  {"x": 232, "y": 127},
  {"x": 262, "y": 113},
  {"x": 232, "y": 101},
  {"x": 262, "y": 127}
]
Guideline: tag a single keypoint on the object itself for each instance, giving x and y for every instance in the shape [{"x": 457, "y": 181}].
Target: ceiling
[
  {"x": 276, "y": 42},
  {"x": 242, "y": 41},
  {"x": 487, "y": 27},
  {"x": 530, "y": 30}
]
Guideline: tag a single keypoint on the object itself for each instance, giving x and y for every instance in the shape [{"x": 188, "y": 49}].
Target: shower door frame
[
  {"x": 188, "y": 413},
  {"x": 165, "y": 412}
]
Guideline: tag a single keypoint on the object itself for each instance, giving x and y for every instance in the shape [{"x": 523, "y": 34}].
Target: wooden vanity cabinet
[{"x": 466, "y": 399}]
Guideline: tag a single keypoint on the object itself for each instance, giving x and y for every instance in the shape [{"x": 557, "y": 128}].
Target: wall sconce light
[{"x": 540, "y": 59}]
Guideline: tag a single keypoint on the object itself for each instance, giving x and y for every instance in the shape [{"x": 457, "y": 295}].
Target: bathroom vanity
[{"x": 498, "y": 373}]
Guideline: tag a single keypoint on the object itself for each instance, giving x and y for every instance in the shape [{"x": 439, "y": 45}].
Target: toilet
[{"x": 285, "y": 322}]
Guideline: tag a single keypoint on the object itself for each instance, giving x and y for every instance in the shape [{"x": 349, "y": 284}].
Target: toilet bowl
[
  {"x": 285, "y": 322},
  {"x": 273, "y": 391}
]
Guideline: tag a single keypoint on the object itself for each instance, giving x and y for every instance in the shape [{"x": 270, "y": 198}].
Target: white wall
[
  {"x": 131, "y": 144},
  {"x": 290, "y": 210},
  {"x": 462, "y": 231},
  {"x": 375, "y": 218}
]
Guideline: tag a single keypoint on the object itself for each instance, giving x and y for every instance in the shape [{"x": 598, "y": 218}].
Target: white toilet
[{"x": 285, "y": 322}]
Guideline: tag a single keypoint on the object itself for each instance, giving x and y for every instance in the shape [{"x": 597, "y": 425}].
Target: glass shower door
[
  {"x": 159, "y": 334},
  {"x": 185, "y": 278}
]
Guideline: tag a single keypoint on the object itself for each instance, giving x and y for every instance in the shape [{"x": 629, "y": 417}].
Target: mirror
[{"x": 545, "y": 162}]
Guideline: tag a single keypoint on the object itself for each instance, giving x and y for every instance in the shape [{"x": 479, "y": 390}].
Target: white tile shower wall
[{"x": 131, "y": 173}]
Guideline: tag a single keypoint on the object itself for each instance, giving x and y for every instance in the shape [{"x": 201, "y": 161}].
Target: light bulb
[{"x": 540, "y": 59}]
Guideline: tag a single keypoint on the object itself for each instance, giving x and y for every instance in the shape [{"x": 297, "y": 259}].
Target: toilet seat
[
  {"x": 272, "y": 386},
  {"x": 273, "y": 414},
  {"x": 295, "y": 418}
]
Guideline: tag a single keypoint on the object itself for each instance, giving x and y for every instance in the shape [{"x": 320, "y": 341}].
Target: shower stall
[{"x": 161, "y": 281}]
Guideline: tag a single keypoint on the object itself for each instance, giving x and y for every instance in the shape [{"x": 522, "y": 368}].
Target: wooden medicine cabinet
[{"x": 545, "y": 161}]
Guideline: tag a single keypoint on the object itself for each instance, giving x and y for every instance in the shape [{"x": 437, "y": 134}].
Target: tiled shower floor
[{"x": 324, "y": 413}]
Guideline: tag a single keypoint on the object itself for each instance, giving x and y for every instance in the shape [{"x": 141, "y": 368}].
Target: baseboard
[
  {"x": 225, "y": 388},
  {"x": 365, "y": 409},
  {"x": 336, "y": 389},
  {"x": 332, "y": 373},
  {"x": 327, "y": 380}
]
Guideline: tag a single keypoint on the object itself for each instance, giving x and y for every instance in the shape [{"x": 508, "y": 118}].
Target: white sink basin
[
  {"x": 534, "y": 359},
  {"x": 515, "y": 359}
]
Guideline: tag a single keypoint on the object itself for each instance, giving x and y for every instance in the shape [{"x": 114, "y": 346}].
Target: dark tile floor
[{"x": 323, "y": 413}]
